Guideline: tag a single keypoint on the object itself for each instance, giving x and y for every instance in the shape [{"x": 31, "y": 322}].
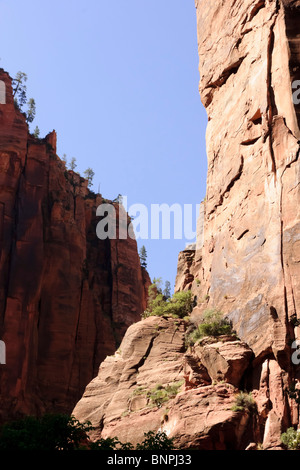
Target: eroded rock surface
[
  {"x": 123, "y": 400},
  {"x": 248, "y": 262},
  {"x": 66, "y": 297}
]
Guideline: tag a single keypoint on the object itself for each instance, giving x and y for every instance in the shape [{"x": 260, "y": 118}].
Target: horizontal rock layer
[{"x": 123, "y": 399}]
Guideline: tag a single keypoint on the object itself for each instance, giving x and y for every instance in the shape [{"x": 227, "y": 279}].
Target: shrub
[
  {"x": 244, "y": 401},
  {"x": 178, "y": 306},
  {"x": 110, "y": 443},
  {"x": 62, "y": 432},
  {"x": 161, "y": 394},
  {"x": 158, "y": 441},
  {"x": 291, "y": 439},
  {"x": 50, "y": 432},
  {"x": 212, "y": 324}
]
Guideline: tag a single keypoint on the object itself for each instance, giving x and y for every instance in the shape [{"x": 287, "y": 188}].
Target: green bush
[
  {"x": 110, "y": 443},
  {"x": 161, "y": 394},
  {"x": 55, "y": 432},
  {"x": 50, "y": 432},
  {"x": 178, "y": 306},
  {"x": 244, "y": 401},
  {"x": 212, "y": 324},
  {"x": 156, "y": 441},
  {"x": 291, "y": 439}
]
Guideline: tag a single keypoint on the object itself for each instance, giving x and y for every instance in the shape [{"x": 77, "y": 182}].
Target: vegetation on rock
[
  {"x": 143, "y": 257},
  {"x": 20, "y": 96},
  {"x": 213, "y": 323},
  {"x": 291, "y": 439},
  {"x": 178, "y": 306},
  {"x": 244, "y": 401},
  {"x": 160, "y": 393}
]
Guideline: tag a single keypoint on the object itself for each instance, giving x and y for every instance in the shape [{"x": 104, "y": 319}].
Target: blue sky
[{"x": 118, "y": 81}]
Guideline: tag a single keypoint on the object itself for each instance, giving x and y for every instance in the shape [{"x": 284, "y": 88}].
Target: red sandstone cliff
[
  {"x": 247, "y": 258},
  {"x": 66, "y": 297}
]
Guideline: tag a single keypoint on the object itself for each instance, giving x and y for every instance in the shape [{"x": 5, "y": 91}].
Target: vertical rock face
[
  {"x": 66, "y": 297},
  {"x": 248, "y": 266},
  {"x": 249, "y": 263}
]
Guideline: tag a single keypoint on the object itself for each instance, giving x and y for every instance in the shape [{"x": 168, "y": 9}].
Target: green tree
[
  {"x": 49, "y": 432},
  {"x": 73, "y": 164},
  {"x": 20, "y": 89},
  {"x": 167, "y": 290},
  {"x": 110, "y": 443},
  {"x": 31, "y": 112},
  {"x": 20, "y": 96},
  {"x": 89, "y": 175},
  {"x": 179, "y": 305},
  {"x": 156, "y": 441},
  {"x": 143, "y": 257},
  {"x": 36, "y": 132},
  {"x": 59, "y": 432}
]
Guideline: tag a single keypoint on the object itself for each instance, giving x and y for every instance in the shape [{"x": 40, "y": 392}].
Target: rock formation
[
  {"x": 246, "y": 259},
  {"x": 66, "y": 297},
  {"x": 124, "y": 399}
]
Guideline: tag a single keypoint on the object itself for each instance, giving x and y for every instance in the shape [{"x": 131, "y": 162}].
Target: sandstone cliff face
[
  {"x": 247, "y": 262},
  {"x": 122, "y": 399},
  {"x": 66, "y": 297}
]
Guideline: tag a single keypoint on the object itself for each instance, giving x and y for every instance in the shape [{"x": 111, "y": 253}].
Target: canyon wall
[
  {"x": 247, "y": 262},
  {"x": 248, "y": 266},
  {"x": 66, "y": 297}
]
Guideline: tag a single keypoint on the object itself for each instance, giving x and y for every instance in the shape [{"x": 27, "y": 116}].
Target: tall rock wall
[
  {"x": 247, "y": 262},
  {"x": 249, "y": 55},
  {"x": 66, "y": 297}
]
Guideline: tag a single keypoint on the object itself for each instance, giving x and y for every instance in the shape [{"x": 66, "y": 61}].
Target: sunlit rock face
[{"x": 248, "y": 263}]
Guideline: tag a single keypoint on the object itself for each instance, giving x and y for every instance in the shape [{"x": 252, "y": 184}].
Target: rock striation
[
  {"x": 201, "y": 383},
  {"x": 66, "y": 297},
  {"x": 247, "y": 261}
]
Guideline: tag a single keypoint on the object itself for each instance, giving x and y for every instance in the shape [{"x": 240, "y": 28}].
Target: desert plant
[
  {"x": 178, "y": 306},
  {"x": 161, "y": 394},
  {"x": 156, "y": 441},
  {"x": 244, "y": 401},
  {"x": 213, "y": 323},
  {"x": 291, "y": 439}
]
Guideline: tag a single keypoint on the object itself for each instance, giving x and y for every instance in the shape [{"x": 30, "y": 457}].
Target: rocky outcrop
[
  {"x": 66, "y": 297},
  {"x": 155, "y": 382}
]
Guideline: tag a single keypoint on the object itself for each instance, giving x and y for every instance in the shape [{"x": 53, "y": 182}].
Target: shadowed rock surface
[{"x": 66, "y": 297}]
